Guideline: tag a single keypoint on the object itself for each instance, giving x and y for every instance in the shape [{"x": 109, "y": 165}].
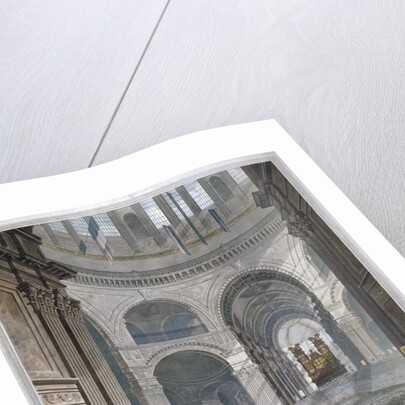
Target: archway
[
  {"x": 196, "y": 378},
  {"x": 158, "y": 321},
  {"x": 257, "y": 304},
  {"x": 105, "y": 348}
]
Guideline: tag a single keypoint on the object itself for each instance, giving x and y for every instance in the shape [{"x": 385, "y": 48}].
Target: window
[
  {"x": 238, "y": 175},
  {"x": 180, "y": 202},
  {"x": 153, "y": 211},
  {"x": 106, "y": 225},
  {"x": 57, "y": 227},
  {"x": 80, "y": 225},
  {"x": 199, "y": 195}
]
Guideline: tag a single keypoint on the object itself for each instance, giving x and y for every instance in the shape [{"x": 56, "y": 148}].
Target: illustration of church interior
[{"x": 227, "y": 290}]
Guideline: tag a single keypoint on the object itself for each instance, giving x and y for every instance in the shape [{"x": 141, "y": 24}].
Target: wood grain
[
  {"x": 63, "y": 68},
  {"x": 330, "y": 72}
]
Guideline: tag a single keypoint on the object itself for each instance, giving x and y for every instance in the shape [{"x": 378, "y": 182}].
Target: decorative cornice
[
  {"x": 68, "y": 307},
  {"x": 267, "y": 228},
  {"x": 351, "y": 324},
  {"x": 299, "y": 225},
  {"x": 246, "y": 371},
  {"x": 219, "y": 349},
  {"x": 41, "y": 299},
  {"x": 54, "y": 302},
  {"x": 23, "y": 248},
  {"x": 68, "y": 398}
]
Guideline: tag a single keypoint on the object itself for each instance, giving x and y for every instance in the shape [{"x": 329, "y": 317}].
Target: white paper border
[{"x": 151, "y": 171}]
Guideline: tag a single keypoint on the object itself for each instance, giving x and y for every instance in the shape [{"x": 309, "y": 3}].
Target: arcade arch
[
  {"x": 158, "y": 321},
  {"x": 196, "y": 378},
  {"x": 256, "y": 305}
]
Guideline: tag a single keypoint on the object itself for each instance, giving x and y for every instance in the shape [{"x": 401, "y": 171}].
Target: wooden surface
[
  {"x": 330, "y": 72},
  {"x": 63, "y": 68}
]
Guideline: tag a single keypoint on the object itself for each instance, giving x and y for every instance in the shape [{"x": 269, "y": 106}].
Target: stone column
[
  {"x": 194, "y": 207},
  {"x": 43, "y": 302},
  {"x": 252, "y": 379},
  {"x": 148, "y": 390},
  {"x": 302, "y": 221},
  {"x": 70, "y": 313},
  {"x": 355, "y": 330},
  {"x": 214, "y": 197},
  {"x": 234, "y": 186}
]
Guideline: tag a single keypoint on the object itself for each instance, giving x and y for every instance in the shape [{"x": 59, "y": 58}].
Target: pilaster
[
  {"x": 252, "y": 379},
  {"x": 354, "y": 328},
  {"x": 70, "y": 313},
  {"x": 146, "y": 387},
  {"x": 43, "y": 303},
  {"x": 302, "y": 221}
]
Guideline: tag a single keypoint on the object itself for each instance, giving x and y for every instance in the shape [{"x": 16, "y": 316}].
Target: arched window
[
  {"x": 221, "y": 188},
  {"x": 158, "y": 321},
  {"x": 136, "y": 226}
]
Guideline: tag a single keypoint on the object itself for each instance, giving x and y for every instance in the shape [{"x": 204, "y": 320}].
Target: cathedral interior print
[{"x": 227, "y": 290}]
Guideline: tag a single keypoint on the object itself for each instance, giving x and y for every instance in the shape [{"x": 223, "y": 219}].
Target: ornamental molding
[
  {"x": 53, "y": 302},
  {"x": 224, "y": 353},
  {"x": 262, "y": 272},
  {"x": 265, "y": 229},
  {"x": 354, "y": 323},
  {"x": 246, "y": 371},
  {"x": 299, "y": 225},
  {"x": 74, "y": 398},
  {"x": 41, "y": 299},
  {"x": 99, "y": 325},
  {"x": 334, "y": 306}
]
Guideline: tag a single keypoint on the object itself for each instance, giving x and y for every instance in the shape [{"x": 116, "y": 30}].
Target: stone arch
[
  {"x": 152, "y": 321},
  {"x": 248, "y": 270},
  {"x": 129, "y": 304},
  {"x": 323, "y": 272},
  {"x": 109, "y": 336},
  {"x": 214, "y": 349},
  {"x": 194, "y": 376},
  {"x": 111, "y": 355},
  {"x": 314, "y": 272},
  {"x": 257, "y": 298}
]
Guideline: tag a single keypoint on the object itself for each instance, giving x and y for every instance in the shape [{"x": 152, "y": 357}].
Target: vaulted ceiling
[{"x": 85, "y": 82}]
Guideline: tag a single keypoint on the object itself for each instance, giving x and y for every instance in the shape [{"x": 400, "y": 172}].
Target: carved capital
[
  {"x": 353, "y": 323},
  {"x": 153, "y": 389},
  {"x": 41, "y": 299},
  {"x": 246, "y": 371},
  {"x": 147, "y": 387},
  {"x": 299, "y": 225},
  {"x": 333, "y": 306},
  {"x": 67, "y": 306}
]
